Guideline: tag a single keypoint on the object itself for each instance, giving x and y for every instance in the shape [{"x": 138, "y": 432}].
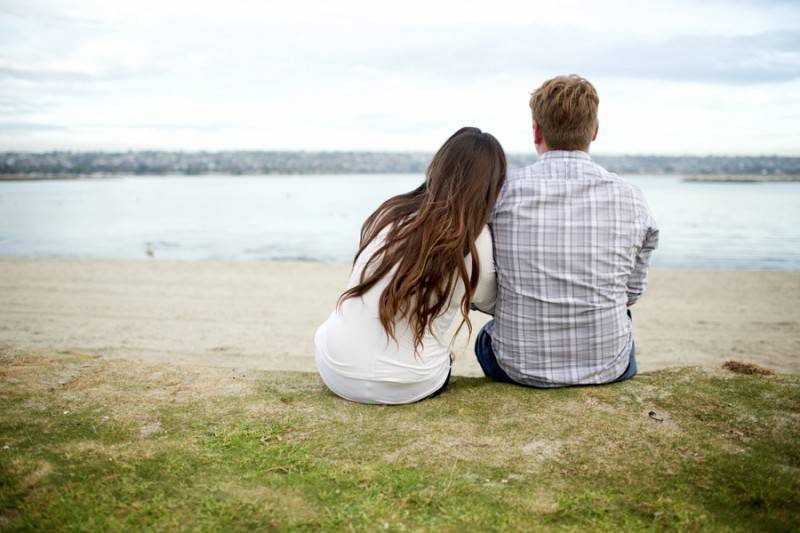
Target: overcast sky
[{"x": 674, "y": 76}]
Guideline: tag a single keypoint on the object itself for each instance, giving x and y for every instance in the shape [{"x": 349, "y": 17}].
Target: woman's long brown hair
[{"x": 429, "y": 232}]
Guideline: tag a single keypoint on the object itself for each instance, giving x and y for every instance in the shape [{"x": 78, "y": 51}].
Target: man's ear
[
  {"x": 596, "y": 129},
  {"x": 537, "y": 134}
]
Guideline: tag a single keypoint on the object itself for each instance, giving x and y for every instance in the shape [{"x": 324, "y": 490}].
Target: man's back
[{"x": 572, "y": 242}]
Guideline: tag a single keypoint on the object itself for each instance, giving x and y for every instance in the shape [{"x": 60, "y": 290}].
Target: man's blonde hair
[{"x": 566, "y": 109}]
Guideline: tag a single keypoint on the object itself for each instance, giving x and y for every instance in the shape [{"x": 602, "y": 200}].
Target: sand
[{"x": 263, "y": 314}]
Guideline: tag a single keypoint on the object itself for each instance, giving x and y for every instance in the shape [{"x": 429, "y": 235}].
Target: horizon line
[{"x": 382, "y": 151}]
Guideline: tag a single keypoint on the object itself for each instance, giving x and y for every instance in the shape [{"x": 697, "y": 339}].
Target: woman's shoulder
[
  {"x": 484, "y": 240},
  {"x": 485, "y": 249}
]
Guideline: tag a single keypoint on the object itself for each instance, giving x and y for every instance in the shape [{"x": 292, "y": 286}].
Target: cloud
[
  {"x": 755, "y": 59},
  {"x": 26, "y": 127},
  {"x": 357, "y": 74},
  {"x": 79, "y": 73},
  {"x": 44, "y": 74},
  {"x": 752, "y": 59},
  {"x": 18, "y": 106}
]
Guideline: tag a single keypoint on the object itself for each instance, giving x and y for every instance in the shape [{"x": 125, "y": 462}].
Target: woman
[{"x": 424, "y": 257}]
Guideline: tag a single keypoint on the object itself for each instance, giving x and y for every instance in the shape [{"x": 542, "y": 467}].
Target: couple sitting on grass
[{"x": 557, "y": 251}]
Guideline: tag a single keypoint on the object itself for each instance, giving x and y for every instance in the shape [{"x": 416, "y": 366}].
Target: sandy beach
[{"x": 263, "y": 314}]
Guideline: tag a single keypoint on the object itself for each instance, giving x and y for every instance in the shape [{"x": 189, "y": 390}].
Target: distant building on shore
[{"x": 66, "y": 164}]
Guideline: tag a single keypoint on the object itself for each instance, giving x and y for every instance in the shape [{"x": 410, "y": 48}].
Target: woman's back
[
  {"x": 360, "y": 362},
  {"x": 425, "y": 256}
]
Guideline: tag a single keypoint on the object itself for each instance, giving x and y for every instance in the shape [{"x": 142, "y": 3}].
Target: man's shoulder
[
  {"x": 534, "y": 179},
  {"x": 519, "y": 176},
  {"x": 592, "y": 169},
  {"x": 518, "y": 172},
  {"x": 624, "y": 189},
  {"x": 545, "y": 169}
]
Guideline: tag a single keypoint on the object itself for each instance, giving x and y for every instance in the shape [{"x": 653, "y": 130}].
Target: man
[{"x": 572, "y": 245}]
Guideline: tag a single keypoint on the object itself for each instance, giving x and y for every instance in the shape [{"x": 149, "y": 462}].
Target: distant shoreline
[
  {"x": 743, "y": 178},
  {"x": 695, "y": 178},
  {"x": 84, "y": 165}
]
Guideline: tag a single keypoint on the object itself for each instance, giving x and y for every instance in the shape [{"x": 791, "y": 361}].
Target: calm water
[{"x": 754, "y": 226}]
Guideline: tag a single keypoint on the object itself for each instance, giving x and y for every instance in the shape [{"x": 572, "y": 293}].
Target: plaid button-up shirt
[{"x": 572, "y": 244}]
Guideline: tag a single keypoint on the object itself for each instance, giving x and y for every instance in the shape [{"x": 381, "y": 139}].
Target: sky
[{"x": 675, "y": 77}]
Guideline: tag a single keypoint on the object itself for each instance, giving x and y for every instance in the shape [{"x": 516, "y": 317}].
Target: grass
[{"x": 94, "y": 444}]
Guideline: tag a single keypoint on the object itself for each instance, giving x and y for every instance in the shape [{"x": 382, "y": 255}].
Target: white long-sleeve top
[{"x": 359, "y": 362}]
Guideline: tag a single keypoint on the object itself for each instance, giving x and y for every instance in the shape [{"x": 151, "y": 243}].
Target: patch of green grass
[{"x": 92, "y": 444}]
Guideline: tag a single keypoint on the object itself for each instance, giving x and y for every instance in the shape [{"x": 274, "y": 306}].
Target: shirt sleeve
[
  {"x": 486, "y": 292},
  {"x": 637, "y": 282}
]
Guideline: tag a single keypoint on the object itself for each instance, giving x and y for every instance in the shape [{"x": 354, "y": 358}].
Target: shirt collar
[{"x": 565, "y": 154}]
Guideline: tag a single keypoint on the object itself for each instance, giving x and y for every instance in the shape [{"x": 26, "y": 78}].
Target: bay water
[{"x": 743, "y": 226}]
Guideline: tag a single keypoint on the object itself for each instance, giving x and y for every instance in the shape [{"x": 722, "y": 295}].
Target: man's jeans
[{"x": 492, "y": 370}]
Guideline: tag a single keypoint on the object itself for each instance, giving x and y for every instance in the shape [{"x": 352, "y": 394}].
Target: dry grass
[
  {"x": 91, "y": 443},
  {"x": 749, "y": 369}
]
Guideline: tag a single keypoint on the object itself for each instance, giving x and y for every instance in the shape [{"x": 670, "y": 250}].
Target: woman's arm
[{"x": 486, "y": 292}]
